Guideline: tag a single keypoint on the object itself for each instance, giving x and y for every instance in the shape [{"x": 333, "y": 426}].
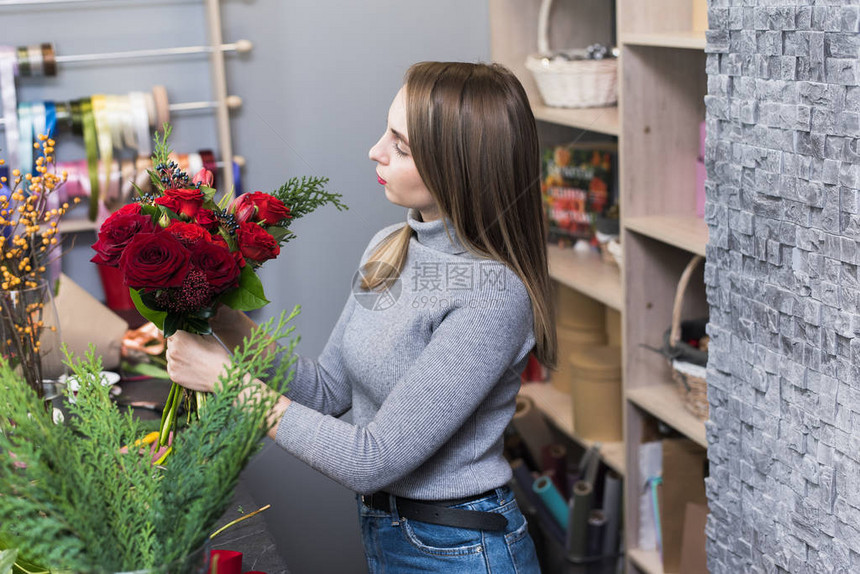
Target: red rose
[
  {"x": 154, "y": 261},
  {"x": 169, "y": 202},
  {"x": 222, "y": 271},
  {"x": 256, "y": 243},
  {"x": 207, "y": 219},
  {"x": 259, "y": 207},
  {"x": 188, "y": 233},
  {"x": 129, "y": 208},
  {"x": 117, "y": 231},
  {"x": 188, "y": 201}
]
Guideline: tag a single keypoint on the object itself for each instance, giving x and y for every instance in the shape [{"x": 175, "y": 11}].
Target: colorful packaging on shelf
[{"x": 577, "y": 184}]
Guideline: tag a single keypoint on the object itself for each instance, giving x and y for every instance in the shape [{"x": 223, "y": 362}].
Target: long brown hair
[{"x": 475, "y": 145}]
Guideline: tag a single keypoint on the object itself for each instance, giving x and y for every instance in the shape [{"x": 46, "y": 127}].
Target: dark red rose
[
  {"x": 259, "y": 207},
  {"x": 221, "y": 269},
  {"x": 256, "y": 243},
  {"x": 169, "y": 202},
  {"x": 129, "y": 208},
  {"x": 116, "y": 232},
  {"x": 154, "y": 261},
  {"x": 188, "y": 201},
  {"x": 188, "y": 233},
  {"x": 207, "y": 219}
]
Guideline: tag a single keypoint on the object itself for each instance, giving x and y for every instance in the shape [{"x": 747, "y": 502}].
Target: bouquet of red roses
[{"x": 182, "y": 254}]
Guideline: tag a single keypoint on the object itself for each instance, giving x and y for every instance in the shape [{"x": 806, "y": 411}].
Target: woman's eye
[{"x": 399, "y": 151}]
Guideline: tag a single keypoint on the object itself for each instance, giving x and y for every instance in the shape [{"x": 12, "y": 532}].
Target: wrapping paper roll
[
  {"x": 612, "y": 512},
  {"x": 580, "y": 508},
  {"x": 530, "y": 424},
  {"x": 596, "y": 533},
  {"x": 552, "y": 499},
  {"x": 525, "y": 481},
  {"x": 555, "y": 461}
]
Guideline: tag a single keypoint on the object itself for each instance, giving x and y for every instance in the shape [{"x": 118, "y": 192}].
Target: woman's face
[{"x": 396, "y": 169}]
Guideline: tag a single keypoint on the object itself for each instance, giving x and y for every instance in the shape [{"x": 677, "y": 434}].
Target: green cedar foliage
[
  {"x": 81, "y": 505},
  {"x": 303, "y": 195}
]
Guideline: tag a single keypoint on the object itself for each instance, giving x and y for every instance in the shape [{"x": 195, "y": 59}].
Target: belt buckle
[{"x": 364, "y": 500}]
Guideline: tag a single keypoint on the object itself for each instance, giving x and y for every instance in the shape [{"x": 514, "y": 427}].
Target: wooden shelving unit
[
  {"x": 598, "y": 120},
  {"x": 558, "y": 408},
  {"x": 662, "y": 84},
  {"x": 684, "y": 40},
  {"x": 588, "y": 273},
  {"x": 662, "y": 401},
  {"x": 689, "y": 233}
]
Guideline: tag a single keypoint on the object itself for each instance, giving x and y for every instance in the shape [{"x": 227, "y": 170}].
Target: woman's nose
[{"x": 376, "y": 152}]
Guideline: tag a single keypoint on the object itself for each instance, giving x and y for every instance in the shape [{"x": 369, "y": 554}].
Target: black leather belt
[{"x": 439, "y": 511}]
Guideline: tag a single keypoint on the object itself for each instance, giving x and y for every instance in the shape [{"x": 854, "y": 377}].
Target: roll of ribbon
[
  {"x": 555, "y": 460},
  {"x": 9, "y": 101},
  {"x": 596, "y": 533},
  {"x": 612, "y": 512},
  {"x": 237, "y": 178},
  {"x": 579, "y": 510},
  {"x": 23, "y": 58},
  {"x": 50, "y": 119},
  {"x": 40, "y": 120},
  {"x": 225, "y": 562},
  {"x": 552, "y": 499},
  {"x": 35, "y": 56},
  {"x": 25, "y": 132},
  {"x": 91, "y": 145},
  {"x": 103, "y": 137},
  {"x": 525, "y": 481},
  {"x": 530, "y": 424},
  {"x": 195, "y": 164},
  {"x": 140, "y": 120},
  {"x": 49, "y": 59}
]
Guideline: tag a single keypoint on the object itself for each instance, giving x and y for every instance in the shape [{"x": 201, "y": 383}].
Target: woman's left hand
[{"x": 195, "y": 361}]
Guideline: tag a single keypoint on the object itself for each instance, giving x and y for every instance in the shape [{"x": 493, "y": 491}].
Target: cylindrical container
[
  {"x": 576, "y": 310},
  {"x": 552, "y": 499},
  {"x": 528, "y": 421},
  {"x": 571, "y": 340},
  {"x": 613, "y": 327},
  {"x": 579, "y": 509},
  {"x": 596, "y": 392}
]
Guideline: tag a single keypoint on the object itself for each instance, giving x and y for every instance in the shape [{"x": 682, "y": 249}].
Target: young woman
[{"x": 429, "y": 348}]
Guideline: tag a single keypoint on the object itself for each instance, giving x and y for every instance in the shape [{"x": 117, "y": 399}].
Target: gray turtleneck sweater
[{"x": 431, "y": 368}]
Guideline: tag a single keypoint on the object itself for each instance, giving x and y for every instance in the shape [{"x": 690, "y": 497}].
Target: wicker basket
[
  {"x": 579, "y": 83},
  {"x": 688, "y": 364}
]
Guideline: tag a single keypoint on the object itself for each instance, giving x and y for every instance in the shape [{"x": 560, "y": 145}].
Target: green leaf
[
  {"x": 279, "y": 233},
  {"x": 249, "y": 295},
  {"x": 208, "y": 193},
  {"x": 147, "y": 369},
  {"x": 153, "y": 315},
  {"x": 7, "y": 559},
  {"x": 172, "y": 323}
]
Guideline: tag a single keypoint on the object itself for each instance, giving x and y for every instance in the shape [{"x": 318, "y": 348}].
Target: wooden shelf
[
  {"x": 558, "y": 408},
  {"x": 687, "y": 232},
  {"x": 600, "y": 120},
  {"x": 688, "y": 40},
  {"x": 662, "y": 401},
  {"x": 648, "y": 561},
  {"x": 587, "y": 273},
  {"x": 77, "y": 226}
]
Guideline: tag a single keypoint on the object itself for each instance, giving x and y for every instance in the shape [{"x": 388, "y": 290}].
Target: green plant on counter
[{"x": 74, "y": 499}]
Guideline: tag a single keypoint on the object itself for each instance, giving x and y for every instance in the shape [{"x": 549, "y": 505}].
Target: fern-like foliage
[
  {"x": 73, "y": 499},
  {"x": 305, "y": 194}
]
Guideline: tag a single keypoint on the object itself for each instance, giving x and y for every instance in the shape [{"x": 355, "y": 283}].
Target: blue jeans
[{"x": 396, "y": 545}]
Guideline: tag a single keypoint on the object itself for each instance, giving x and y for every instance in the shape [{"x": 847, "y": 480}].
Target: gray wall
[
  {"x": 316, "y": 91},
  {"x": 784, "y": 217}
]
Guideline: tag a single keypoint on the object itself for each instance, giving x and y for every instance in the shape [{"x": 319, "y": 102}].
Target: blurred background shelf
[
  {"x": 686, "y": 232},
  {"x": 558, "y": 408},
  {"x": 647, "y": 561},
  {"x": 663, "y": 402},
  {"x": 687, "y": 40},
  {"x": 599, "y": 120},
  {"x": 587, "y": 273}
]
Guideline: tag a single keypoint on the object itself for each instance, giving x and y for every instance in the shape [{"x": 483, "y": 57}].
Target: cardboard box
[
  {"x": 684, "y": 464},
  {"x": 694, "y": 559}
]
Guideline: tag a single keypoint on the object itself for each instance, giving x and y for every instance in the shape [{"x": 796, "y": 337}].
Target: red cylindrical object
[{"x": 117, "y": 297}]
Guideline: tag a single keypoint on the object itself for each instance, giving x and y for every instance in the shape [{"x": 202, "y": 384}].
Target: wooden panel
[
  {"x": 599, "y": 120},
  {"x": 587, "y": 273},
  {"x": 686, "y": 232},
  {"x": 693, "y": 40},
  {"x": 650, "y": 16},
  {"x": 662, "y": 106},
  {"x": 664, "y": 402}
]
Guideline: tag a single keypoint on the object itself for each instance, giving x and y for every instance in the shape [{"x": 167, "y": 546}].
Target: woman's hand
[{"x": 194, "y": 361}]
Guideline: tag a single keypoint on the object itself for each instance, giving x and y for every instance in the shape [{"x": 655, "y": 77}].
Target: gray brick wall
[{"x": 783, "y": 208}]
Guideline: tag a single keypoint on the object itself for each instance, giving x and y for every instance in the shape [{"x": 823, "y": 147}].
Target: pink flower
[{"x": 203, "y": 177}]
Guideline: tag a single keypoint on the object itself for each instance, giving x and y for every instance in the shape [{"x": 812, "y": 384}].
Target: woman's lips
[{"x": 380, "y": 180}]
